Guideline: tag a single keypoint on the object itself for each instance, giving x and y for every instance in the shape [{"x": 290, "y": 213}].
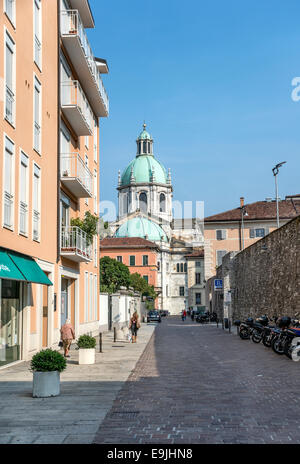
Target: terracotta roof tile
[
  {"x": 126, "y": 242},
  {"x": 288, "y": 209},
  {"x": 196, "y": 254}
]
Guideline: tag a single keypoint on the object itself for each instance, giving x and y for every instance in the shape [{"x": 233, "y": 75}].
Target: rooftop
[
  {"x": 126, "y": 242},
  {"x": 261, "y": 210}
]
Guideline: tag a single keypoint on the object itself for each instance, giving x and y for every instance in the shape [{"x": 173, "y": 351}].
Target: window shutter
[{"x": 223, "y": 234}]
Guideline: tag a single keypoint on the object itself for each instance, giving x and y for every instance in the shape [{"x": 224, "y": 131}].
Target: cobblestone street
[{"x": 199, "y": 384}]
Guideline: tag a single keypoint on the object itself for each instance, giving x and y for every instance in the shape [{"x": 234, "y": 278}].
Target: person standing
[
  {"x": 134, "y": 326},
  {"x": 67, "y": 335}
]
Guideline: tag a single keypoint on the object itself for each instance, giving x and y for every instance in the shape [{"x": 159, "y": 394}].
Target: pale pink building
[{"x": 53, "y": 99}]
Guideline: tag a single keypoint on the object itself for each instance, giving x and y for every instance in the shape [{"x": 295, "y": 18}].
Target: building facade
[
  {"x": 145, "y": 195},
  {"x": 53, "y": 99},
  {"x": 239, "y": 228}
]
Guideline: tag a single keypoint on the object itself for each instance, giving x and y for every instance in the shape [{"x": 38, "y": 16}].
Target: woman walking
[
  {"x": 67, "y": 335},
  {"x": 134, "y": 326}
]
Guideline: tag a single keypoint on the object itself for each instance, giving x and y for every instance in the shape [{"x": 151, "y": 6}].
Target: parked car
[{"x": 153, "y": 316}]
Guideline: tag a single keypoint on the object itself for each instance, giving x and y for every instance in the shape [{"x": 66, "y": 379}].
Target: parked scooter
[
  {"x": 245, "y": 328},
  {"x": 259, "y": 327},
  {"x": 280, "y": 338}
]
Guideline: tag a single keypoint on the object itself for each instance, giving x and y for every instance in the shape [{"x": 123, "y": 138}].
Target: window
[
  {"x": 23, "y": 205},
  {"x": 120, "y": 259},
  {"x": 145, "y": 260},
  {"x": 220, "y": 254},
  {"x": 221, "y": 234},
  {"x": 86, "y": 296},
  {"x": 95, "y": 141},
  {"x": 259, "y": 233},
  {"x": 181, "y": 267},
  {"x": 198, "y": 264},
  {"x": 181, "y": 291},
  {"x": 95, "y": 298},
  {"x": 143, "y": 202},
  {"x": 64, "y": 210},
  {"x": 86, "y": 162},
  {"x": 198, "y": 278},
  {"x": 95, "y": 251},
  {"x": 95, "y": 191},
  {"x": 158, "y": 265},
  {"x": 198, "y": 298},
  {"x": 146, "y": 278},
  {"x": 167, "y": 290},
  {"x": 10, "y": 10},
  {"x": 162, "y": 203},
  {"x": 36, "y": 202},
  {"x": 37, "y": 33},
  {"x": 9, "y": 79},
  {"x": 91, "y": 296},
  {"x": 8, "y": 183},
  {"x": 132, "y": 261},
  {"x": 87, "y": 139},
  {"x": 185, "y": 267},
  {"x": 144, "y": 147},
  {"x": 167, "y": 266},
  {"x": 37, "y": 115}
]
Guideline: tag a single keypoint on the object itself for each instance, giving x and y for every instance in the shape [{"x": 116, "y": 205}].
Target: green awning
[
  {"x": 30, "y": 269},
  {"x": 8, "y": 269}
]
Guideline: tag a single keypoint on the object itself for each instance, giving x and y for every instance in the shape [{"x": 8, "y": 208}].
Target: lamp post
[{"x": 275, "y": 172}]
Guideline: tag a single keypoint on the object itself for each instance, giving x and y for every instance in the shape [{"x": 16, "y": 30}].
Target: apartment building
[{"x": 53, "y": 99}]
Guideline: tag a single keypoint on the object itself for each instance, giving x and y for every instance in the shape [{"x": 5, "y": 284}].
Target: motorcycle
[
  {"x": 259, "y": 329},
  {"x": 280, "y": 338},
  {"x": 245, "y": 328}
]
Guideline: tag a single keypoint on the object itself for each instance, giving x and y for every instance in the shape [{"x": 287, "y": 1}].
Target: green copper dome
[
  {"x": 144, "y": 168},
  {"x": 143, "y": 228}
]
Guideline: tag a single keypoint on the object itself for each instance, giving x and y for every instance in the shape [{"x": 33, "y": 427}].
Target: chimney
[{"x": 242, "y": 201}]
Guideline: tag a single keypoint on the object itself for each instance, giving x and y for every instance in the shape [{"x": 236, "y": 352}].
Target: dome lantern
[{"x": 144, "y": 143}]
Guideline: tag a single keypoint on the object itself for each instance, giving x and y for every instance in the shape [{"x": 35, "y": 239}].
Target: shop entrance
[{"x": 9, "y": 321}]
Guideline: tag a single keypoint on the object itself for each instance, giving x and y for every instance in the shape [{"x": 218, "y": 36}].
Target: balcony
[
  {"x": 76, "y": 108},
  {"x": 79, "y": 50},
  {"x": 75, "y": 175},
  {"x": 75, "y": 245}
]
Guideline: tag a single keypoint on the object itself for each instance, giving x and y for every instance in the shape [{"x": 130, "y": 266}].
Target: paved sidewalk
[{"x": 87, "y": 394}]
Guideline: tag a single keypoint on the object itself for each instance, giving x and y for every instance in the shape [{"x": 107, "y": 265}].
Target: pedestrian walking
[
  {"x": 183, "y": 315},
  {"x": 192, "y": 315},
  {"x": 134, "y": 326},
  {"x": 67, "y": 335}
]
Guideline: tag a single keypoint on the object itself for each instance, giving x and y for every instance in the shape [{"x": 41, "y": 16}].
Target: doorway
[{"x": 64, "y": 301}]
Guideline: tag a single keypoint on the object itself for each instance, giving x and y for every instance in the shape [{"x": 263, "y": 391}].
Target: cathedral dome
[
  {"x": 144, "y": 168},
  {"x": 143, "y": 228}
]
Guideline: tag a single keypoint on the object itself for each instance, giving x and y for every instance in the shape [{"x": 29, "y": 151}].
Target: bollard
[
  {"x": 100, "y": 342},
  {"x": 115, "y": 334}
]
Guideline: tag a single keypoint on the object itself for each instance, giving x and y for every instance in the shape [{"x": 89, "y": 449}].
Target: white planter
[
  {"x": 46, "y": 384},
  {"x": 86, "y": 356}
]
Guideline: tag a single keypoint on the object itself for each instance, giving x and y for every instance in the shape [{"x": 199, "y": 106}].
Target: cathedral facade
[{"x": 145, "y": 210}]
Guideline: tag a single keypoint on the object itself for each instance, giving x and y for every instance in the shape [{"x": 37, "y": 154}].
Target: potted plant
[
  {"x": 46, "y": 366},
  {"x": 87, "y": 349}
]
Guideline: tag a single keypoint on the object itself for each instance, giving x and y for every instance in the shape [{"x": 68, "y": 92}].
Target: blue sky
[{"x": 213, "y": 80}]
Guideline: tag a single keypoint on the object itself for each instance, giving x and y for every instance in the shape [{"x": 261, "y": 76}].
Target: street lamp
[{"x": 275, "y": 172}]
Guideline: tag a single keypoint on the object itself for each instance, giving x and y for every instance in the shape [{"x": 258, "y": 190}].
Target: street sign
[{"x": 218, "y": 284}]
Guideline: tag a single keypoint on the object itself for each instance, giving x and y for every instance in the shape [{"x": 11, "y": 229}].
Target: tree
[
  {"x": 141, "y": 285},
  {"x": 113, "y": 275},
  {"x": 88, "y": 225}
]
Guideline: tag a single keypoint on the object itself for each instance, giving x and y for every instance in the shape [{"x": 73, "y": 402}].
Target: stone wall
[{"x": 265, "y": 277}]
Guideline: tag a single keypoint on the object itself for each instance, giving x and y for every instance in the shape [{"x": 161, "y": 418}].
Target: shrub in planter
[
  {"x": 86, "y": 341},
  {"x": 86, "y": 345},
  {"x": 46, "y": 366}
]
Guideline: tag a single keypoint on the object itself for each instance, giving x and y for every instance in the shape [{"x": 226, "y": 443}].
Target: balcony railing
[
  {"x": 72, "y": 97},
  {"x": 75, "y": 244},
  {"x": 76, "y": 175},
  {"x": 71, "y": 26}
]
